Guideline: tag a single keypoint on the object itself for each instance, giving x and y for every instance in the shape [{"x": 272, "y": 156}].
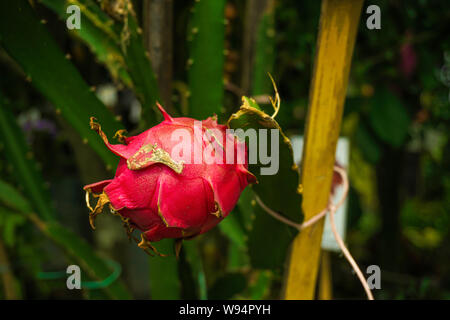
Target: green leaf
[
  {"x": 269, "y": 240},
  {"x": 264, "y": 53},
  {"x": 227, "y": 286},
  {"x": 82, "y": 253},
  {"x": 164, "y": 281},
  {"x": 77, "y": 248},
  {"x": 206, "y": 37},
  {"x": 141, "y": 72},
  {"x": 25, "y": 169},
  {"x": 125, "y": 58},
  {"x": 10, "y": 197},
  {"x": 367, "y": 143},
  {"x": 53, "y": 75},
  {"x": 237, "y": 258},
  {"x": 235, "y": 227},
  {"x": 389, "y": 118},
  {"x": 9, "y": 221},
  {"x": 277, "y": 191},
  {"x": 98, "y": 35},
  {"x": 261, "y": 286},
  {"x": 231, "y": 228},
  {"x": 194, "y": 259},
  {"x": 246, "y": 203},
  {"x": 97, "y": 17},
  {"x": 265, "y": 252}
]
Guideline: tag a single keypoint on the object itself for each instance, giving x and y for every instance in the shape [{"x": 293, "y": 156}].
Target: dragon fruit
[{"x": 163, "y": 188}]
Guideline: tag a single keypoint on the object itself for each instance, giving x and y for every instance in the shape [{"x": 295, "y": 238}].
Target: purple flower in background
[
  {"x": 31, "y": 122},
  {"x": 408, "y": 57}
]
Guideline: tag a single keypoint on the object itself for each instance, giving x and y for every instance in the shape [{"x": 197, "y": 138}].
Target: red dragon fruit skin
[{"x": 165, "y": 198}]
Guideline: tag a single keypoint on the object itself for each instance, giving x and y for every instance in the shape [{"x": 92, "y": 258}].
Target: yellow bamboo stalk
[
  {"x": 339, "y": 20},
  {"x": 325, "y": 281}
]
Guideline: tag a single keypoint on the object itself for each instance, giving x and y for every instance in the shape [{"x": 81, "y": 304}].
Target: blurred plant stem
[
  {"x": 158, "y": 37},
  {"x": 388, "y": 173},
  {"x": 206, "y": 37},
  {"x": 338, "y": 26},
  {"x": 9, "y": 281},
  {"x": 254, "y": 13}
]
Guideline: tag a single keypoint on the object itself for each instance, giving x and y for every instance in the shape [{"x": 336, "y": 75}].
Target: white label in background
[{"x": 340, "y": 217}]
